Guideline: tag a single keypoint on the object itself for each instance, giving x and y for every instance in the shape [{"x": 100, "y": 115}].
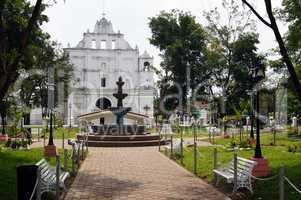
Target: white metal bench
[
  {"x": 48, "y": 177},
  {"x": 244, "y": 172},
  {"x": 76, "y": 148},
  {"x": 176, "y": 146}
]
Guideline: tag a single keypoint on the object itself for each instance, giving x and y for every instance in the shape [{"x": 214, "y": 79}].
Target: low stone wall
[{"x": 119, "y": 130}]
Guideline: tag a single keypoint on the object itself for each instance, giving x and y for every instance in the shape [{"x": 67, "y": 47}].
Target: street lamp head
[
  {"x": 260, "y": 72},
  {"x": 257, "y": 72}
]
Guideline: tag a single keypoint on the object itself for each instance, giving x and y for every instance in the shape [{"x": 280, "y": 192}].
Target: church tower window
[
  {"x": 146, "y": 66},
  {"x": 103, "y": 82},
  {"x": 103, "y": 67},
  {"x": 113, "y": 44},
  {"x": 93, "y": 44},
  {"x": 103, "y": 44}
]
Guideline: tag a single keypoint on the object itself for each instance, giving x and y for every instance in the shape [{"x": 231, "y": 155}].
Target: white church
[{"x": 99, "y": 59}]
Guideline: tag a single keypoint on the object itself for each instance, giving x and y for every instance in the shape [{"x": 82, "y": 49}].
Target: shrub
[
  {"x": 8, "y": 143},
  {"x": 24, "y": 143},
  {"x": 237, "y": 143},
  {"x": 244, "y": 144},
  {"x": 295, "y": 148},
  {"x": 292, "y": 131},
  {"x": 15, "y": 144}
]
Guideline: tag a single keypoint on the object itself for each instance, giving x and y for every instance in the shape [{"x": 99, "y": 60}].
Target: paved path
[{"x": 140, "y": 173}]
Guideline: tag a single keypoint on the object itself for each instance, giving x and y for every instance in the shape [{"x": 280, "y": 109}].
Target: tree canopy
[
  {"x": 204, "y": 60},
  {"x": 181, "y": 41},
  {"x": 21, "y": 37}
]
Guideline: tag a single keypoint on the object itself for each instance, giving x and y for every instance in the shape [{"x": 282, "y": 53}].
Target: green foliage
[
  {"x": 231, "y": 52},
  {"x": 17, "y": 143},
  {"x": 58, "y": 133},
  {"x": 234, "y": 142},
  {"x": 10, "y": 159},
  {"x": 4, "y": 107},
  {"x": 181, "y": 41},
  {"x": 21, "y": 39},
  {"x": 292, "y": 15},
  {"x": 27, "y": 52},
  {"x": 267, "y": 190},
  {"x": 284, "y": 153},
  {"x": 33, "y": 89},
  {"x": 296, "y": 148},
  {"x": 291, "y": 131}
]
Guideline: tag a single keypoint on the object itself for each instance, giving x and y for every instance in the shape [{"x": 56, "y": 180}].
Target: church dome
[{"x": 103, "y": 26}]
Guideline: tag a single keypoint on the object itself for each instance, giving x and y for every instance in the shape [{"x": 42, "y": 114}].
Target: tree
[
  {"x": 33, "y": 88},
  {"x": 282, "y": 48},
  {"x": 231, "y": 52},
  {"x": 291, "y": 13},
  {"x": 181, "y": 41},
  {"x": 4, "y": 106},
  {"x": 20, "y": 34}
]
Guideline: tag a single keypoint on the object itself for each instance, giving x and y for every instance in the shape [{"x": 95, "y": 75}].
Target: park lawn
[
  {"x": 266, "y": 139},
  {"x": 189, "y": 132},
  {"x": 68, "y": 133},
  {"x": 10, "y": 159},
  {"x": 277, "y": 156}
]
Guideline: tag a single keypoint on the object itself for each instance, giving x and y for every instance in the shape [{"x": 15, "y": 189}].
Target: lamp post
[
  {"x": 250, "y": 92},
  {"x": 261, "y": 169},
  {"x": 50, "y": 149},
  {"x": 70, "y": 112},
  {"x": 258, "y": 153},
  {"x": 257, "y": 76}
]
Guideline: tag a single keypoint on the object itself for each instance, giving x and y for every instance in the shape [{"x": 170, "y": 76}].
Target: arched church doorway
[{"x": 103, "y": 103}]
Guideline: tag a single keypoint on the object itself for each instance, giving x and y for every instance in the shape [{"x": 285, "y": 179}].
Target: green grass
[
  {"x": 10, "y": 159},
  {"x": 68, "y": 133},
  {"x": 266, "y": 139},
  {"x": 189, "y": 132},
  {"x": 276, "y": 155}
]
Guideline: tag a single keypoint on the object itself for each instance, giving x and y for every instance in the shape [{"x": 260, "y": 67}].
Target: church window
[
  {"x": 113, "y": 44},
  {"x": 103, "y": 66},
  {"x": 103, "y": 44},
  {"x": 93, "y": 44},
  {"x": 103, "y": 82},
  {"x": 146, "y": 66}
]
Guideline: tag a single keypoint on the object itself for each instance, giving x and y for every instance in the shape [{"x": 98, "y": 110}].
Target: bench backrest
[
  {"x": 244, "y": 166},
  {"x": 46, "y": 169},
  {"x": 177, "y": 144}
]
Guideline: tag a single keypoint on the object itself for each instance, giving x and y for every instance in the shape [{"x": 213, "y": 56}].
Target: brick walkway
[{"x": 136, "y": 174}]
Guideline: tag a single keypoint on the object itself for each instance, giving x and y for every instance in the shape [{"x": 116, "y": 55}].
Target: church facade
[{"x": 99, "y": 59}]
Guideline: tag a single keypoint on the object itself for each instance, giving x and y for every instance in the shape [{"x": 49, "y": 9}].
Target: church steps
[{"x": 120, "y": 138}]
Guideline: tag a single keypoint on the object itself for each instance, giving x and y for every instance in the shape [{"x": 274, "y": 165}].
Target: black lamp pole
[
  {"x": 258, "y": 153},
  {"x": 50, "y": 101},
  {"x": 50, "y": 142},
  {"x": 70, "y": 107},
  {"x": 252, "y": 116},
  {"x": 258, "y": 75}
]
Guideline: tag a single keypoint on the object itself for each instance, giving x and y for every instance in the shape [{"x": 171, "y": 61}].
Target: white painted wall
[{"x": 92, "y": 64}]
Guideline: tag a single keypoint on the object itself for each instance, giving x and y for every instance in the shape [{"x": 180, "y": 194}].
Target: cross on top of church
[
  {"x": 103, "y": 9},
  {"x": 146, "y": 108}
]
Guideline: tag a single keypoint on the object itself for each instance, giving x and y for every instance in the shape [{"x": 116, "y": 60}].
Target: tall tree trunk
[
  {"x": 283, "y": 51},
  {"x": 3, "y": 123}
]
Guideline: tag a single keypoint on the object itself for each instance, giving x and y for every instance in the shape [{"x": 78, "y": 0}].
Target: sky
[{"x": 69, "y": 19}]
